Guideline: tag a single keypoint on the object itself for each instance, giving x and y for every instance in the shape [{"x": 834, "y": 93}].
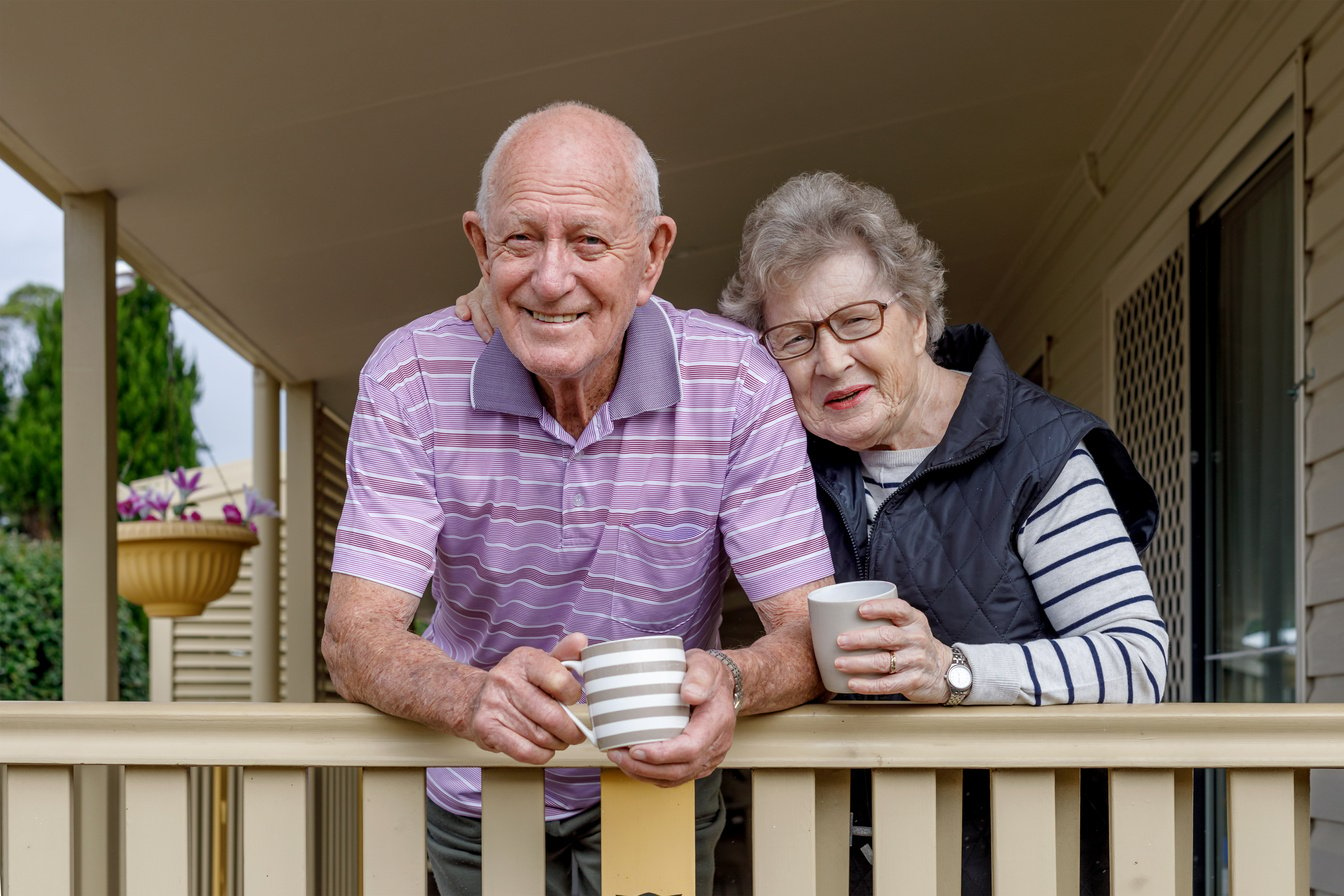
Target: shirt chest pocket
[{"x": 661, "y": 583}]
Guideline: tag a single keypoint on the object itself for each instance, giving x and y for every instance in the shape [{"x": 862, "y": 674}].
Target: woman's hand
[
  {"x": 911, "y": 661},
  {"x": 475, "y": 307}
]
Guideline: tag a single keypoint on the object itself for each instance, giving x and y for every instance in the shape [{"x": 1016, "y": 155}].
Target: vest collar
[{"x": 980, "y": 421}]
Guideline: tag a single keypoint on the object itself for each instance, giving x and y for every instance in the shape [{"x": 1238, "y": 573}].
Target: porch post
[
  {"x": 266, "y": 556},
  {"x": 300, "y": 543},
  {"x": 89, "y": 483}
]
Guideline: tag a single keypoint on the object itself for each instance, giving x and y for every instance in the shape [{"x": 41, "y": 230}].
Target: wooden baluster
[
  {"x": 783, "y": 832},
  {"x": 906, "y": 832},
  {"x": 393, "y": 851},
  {"x": 648, "y": 836},
  {"x": 513, "y": 832},
  {"x": 1068, "y": 829},
  {"x": 1022, "y": 824},
  {"x": 1268, "y": 831},
  {"x": 158, "y": 845},
  {"x": 1151, "y": 831},
  {"x": 39, "y": 828},
  {"x": 275, "y": 831},
  {"x": 833, "y": 823}
]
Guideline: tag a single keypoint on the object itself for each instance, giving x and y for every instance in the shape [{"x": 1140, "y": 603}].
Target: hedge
[{"x": 30, "y": 626}]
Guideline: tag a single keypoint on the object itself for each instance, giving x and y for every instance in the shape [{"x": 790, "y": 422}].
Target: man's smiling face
[{"x": 566, "y": 258}]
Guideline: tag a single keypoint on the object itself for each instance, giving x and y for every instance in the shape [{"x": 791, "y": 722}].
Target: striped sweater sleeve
[{"x": 1112, "y": 644}]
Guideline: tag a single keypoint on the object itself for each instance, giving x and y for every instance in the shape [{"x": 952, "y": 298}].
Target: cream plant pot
[{"x": 176, "y": 567}]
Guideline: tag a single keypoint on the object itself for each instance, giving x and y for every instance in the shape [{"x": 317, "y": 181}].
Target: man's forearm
[
  {"x": 373, "y": 659},
  {"x": 407, "y": 677},
  {"x": 778, "y": 670}
]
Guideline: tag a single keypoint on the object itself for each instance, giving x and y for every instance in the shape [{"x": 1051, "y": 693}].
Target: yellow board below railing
[{"x": 648, "y": 837}]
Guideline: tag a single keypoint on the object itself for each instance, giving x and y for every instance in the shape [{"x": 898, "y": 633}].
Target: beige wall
[{"x": 1219, "y": 75}]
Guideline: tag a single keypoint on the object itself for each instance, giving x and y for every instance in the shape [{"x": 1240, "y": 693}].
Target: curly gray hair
[{"x": 813, "y": 216}]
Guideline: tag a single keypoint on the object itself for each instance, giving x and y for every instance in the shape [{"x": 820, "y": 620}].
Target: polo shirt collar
[{"x": 500, "y": 382}]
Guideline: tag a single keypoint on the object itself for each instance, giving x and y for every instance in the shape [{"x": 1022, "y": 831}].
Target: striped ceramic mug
[{"x": 634, "y": 690}]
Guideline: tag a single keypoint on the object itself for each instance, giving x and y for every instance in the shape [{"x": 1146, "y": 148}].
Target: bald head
[{"x": 579, "y": 128}]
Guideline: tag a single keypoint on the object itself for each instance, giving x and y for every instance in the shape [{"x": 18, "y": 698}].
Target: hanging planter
[
  {"x": 172, "y": 562},
  {"x": 176, "y": 567}
]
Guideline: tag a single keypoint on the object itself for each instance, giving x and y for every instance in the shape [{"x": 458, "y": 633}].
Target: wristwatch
[
  {"x": 958, "y": 678},
  {"x": 736, "y": 673}
]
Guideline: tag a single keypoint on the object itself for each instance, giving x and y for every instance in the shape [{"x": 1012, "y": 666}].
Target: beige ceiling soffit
[
  {"x": 46, "y": 179},
  {"x": 1078, "y": 194},
  {"x": 797, "y": 9},
  {"x": 28, "y": 162},
  {"x": 182, "y": 294}
]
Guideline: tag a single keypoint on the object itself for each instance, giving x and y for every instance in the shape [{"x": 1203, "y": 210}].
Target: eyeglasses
[{"x": 849, "y": 324}]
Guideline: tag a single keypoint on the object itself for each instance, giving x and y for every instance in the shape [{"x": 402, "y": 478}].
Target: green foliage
[
  {"x": 30, "y": 626},
  {"x": 30, "y": 435},
  {"x": 156, "y": 390}
]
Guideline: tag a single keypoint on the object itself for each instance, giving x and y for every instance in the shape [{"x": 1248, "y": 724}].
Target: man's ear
[
  {"x": 661, "y": 238},
  {"x": 471, "y": 224}
]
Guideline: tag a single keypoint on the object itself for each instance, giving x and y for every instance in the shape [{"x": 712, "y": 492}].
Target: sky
[{"x": 31, "y": 251}]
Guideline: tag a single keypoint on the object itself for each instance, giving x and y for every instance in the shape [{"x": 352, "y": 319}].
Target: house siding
[
  {"x": 1212, "y": 64},
  {"x": 1220, "y": 68},
  {"x": 1323, "y": 433}
]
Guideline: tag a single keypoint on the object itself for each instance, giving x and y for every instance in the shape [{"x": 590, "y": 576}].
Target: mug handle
[{"x": 577, "y": 666}]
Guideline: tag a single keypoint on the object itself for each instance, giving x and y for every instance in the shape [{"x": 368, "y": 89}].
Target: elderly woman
[{"x": 1009, "y": 520}]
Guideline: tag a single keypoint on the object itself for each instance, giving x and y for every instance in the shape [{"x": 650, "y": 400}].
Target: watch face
[{"x": 959, "y": 678}]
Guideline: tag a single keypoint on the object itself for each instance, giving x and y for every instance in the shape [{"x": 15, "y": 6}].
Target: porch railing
[{"x": 799, "y": 762}]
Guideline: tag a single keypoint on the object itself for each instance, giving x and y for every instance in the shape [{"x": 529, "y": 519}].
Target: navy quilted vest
[{"x": 947, "y": 537}]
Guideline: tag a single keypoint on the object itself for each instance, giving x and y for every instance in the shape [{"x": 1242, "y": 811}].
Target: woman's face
[{"x": 857, "y": 394}]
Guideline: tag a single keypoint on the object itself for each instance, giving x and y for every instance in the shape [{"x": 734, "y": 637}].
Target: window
[
  {"x": 1243, "y": 449},
  {"x": 1242, "y": 319}
]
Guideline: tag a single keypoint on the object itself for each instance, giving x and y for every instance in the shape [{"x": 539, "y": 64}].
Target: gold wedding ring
[{"x": 891, "y": 667}]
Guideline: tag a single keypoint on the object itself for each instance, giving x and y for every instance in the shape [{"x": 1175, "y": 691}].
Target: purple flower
[
  {"x": 185, "y": 484},
  {"x": 257, "y": 505},
  {"x": 157, "y": 502},
  {"x": 128, "y": 509},
  {"x": 151, "y": 504}
]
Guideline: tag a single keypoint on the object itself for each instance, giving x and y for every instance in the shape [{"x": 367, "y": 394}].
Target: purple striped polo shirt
[{"x": 457, "y": 475}]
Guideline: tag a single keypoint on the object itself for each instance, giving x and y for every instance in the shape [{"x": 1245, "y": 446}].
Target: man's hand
[
  {"x": 511, "y": 709},
  {"x": 778, "y": 671},
  {"x": 697, "y": 751},
  {"x": 475, "y": 307},
  {"x": 515, "y": 710}
]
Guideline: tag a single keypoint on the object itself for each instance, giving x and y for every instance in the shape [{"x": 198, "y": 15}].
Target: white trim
[
  {"x": 1299, "y": 121},
  {"x": 1280, "y": 128}
]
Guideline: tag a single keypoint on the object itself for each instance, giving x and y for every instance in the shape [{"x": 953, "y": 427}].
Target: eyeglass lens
[{"x": 851, "y": 323}]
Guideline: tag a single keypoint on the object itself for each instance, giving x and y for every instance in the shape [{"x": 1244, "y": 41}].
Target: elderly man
[{"x": 591, "y": 475}]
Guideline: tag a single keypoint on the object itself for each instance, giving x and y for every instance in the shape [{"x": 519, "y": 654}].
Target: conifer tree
[{"x": 156, "y": 390}]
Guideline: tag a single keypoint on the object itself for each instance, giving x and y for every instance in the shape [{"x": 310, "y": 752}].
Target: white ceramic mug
[
  {"x": 634, "y": 690},
  {"x": 834, "y": 609}
]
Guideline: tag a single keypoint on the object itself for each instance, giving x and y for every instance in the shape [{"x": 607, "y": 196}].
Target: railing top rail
[{"x": 1174, "y": 735}]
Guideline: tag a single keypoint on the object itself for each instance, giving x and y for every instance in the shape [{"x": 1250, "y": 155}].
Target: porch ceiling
[{"x": 294, "y": 173}]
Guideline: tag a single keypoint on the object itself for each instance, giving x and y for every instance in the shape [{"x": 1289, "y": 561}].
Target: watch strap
[
  {"x": 734, "y": 671},
  {"x": 956, "y": 695}
]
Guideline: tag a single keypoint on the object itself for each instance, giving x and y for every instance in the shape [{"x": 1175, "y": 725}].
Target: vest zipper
[
  {"x": 860, "y": 562},
  {"x": 899, "y": 490}
]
